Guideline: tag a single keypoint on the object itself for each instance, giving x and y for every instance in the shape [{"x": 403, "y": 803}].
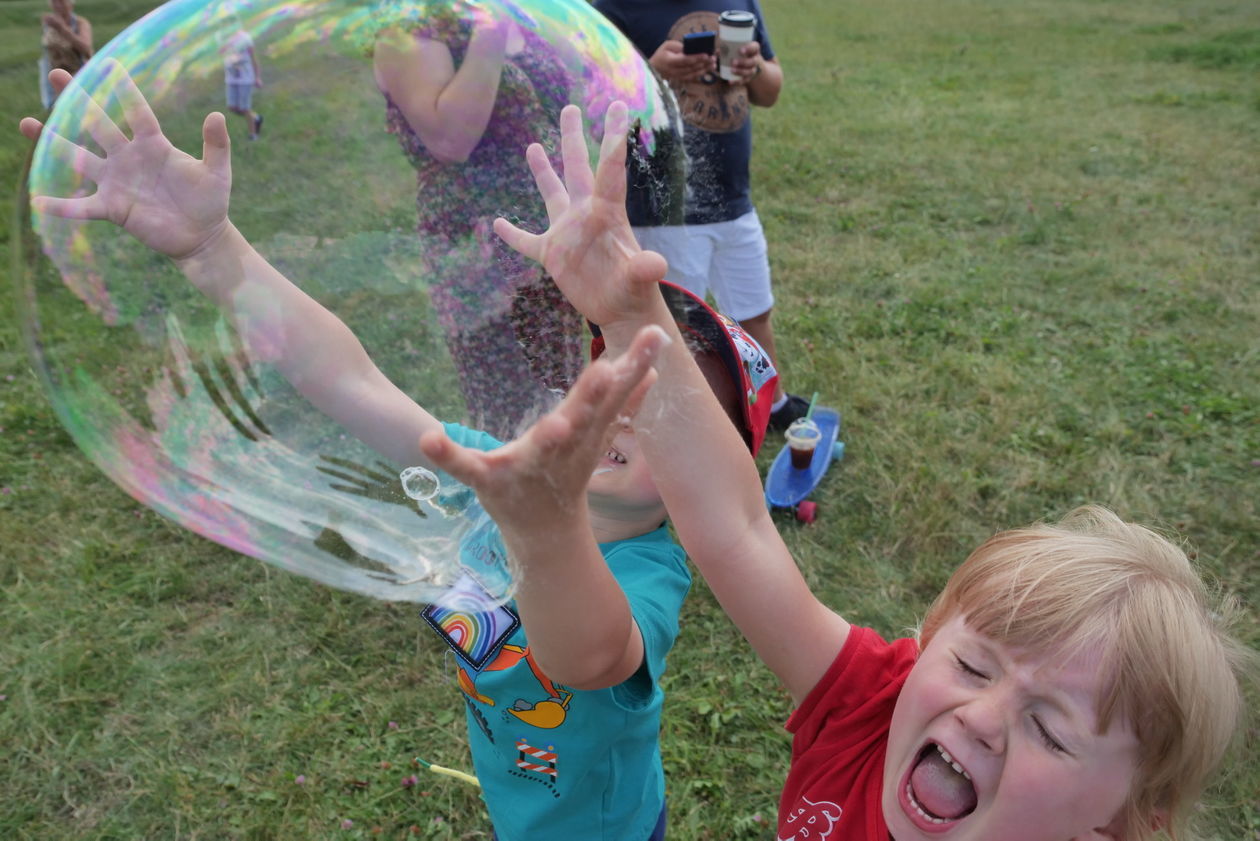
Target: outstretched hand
[
  {"x": 588, "y": 247},
  {"x": 542, "y": 475},
  {"x": 165, "y": 198}
]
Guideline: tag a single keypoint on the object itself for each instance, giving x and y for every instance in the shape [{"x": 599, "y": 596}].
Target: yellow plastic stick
[{"x": 450, "y": 772}]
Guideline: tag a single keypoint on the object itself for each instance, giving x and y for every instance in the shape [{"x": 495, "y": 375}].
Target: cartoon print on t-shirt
[
  {"x": 812, "y": 821},
  {"x": 546, "y": 713}
]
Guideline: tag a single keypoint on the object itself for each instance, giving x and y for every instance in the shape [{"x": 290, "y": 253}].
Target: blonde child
[
  {"x": 1071, "y": 681},
  {"x": 564, "y": 711}
]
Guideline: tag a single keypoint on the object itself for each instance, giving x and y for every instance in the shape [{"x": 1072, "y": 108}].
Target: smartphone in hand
[{"x": 699, "y": 43}]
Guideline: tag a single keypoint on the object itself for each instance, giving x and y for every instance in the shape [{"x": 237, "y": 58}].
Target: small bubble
[{"x": 419, "y": 483}]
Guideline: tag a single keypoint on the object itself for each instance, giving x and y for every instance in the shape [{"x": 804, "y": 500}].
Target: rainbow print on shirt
[{"x": 470, "y": 622}]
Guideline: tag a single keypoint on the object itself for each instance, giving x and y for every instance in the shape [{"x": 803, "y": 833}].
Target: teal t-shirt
[{"x": 555, "y": 762}]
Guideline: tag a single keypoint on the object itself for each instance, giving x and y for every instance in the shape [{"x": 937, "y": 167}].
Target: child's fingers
[
  {"x": 522, "y": 242},
  {"x": 606, "y": 388},
  {"x": 30, "y": 128},
  {"x": 581, "y": 404},
  {"x": 87, "y": 207},
  {"x": 610, "y": 173},
  {"x": 136, "y": 108},
  {"x": 216, "y": 146},
  {"x": 59, "y": 78},
  {"x": 550, "y": 187},
  {"x": 636, "y": 363},
  {"x": 463, "y": 464},
  {"x": 573, "y": 153},
  {"x": 635, "y": 400},
  {"x": 100, "y": 126},
  {"x": 646, "y": 269},
  {"x": 554, "y": 431},
  {"x": 80, "y": 160}
]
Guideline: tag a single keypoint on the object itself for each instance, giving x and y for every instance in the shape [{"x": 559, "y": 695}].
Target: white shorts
[{"x": 728, "y": 259}]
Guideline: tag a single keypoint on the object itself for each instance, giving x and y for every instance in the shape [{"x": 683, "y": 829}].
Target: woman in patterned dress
[{"x": 465, "y": 95}]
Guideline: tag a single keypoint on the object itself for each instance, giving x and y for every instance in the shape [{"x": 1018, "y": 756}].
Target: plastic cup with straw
[{"x": 803, "y": 437}]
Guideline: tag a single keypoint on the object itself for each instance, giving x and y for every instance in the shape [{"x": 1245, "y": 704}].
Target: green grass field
[{"x": 1016, "y": 244}]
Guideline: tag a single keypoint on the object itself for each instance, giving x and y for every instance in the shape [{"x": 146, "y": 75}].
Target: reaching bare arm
[
  {"x": 177, "y": 205},
  {"x": 701, "y": 466}
]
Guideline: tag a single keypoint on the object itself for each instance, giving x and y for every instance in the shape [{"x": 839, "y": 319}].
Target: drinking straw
[{"x": 810, "y": 410}]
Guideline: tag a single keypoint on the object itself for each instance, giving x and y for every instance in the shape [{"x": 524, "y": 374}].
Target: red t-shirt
[{"x": 840, "y": 735}]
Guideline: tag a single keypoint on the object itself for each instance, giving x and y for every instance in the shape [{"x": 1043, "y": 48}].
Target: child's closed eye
[
  {"x": 1047, "y": 738},
  {"x": 967, "y": 669}
]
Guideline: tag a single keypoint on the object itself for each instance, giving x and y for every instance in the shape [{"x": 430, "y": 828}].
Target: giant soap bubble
[{"x": 374, "y": 210}]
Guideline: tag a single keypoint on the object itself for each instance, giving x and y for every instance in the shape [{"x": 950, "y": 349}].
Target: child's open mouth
[
  {"x": 939, "y": 790},
  {"x": 614, "y": 455}
]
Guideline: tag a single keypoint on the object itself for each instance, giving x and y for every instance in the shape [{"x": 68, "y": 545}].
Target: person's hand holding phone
[
  {"x": 699, "y": 43},
  {"x": 675, "y": 64}
]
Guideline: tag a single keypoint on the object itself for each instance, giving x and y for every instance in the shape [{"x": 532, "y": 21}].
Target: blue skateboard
[{"x": 787, "y": 486}]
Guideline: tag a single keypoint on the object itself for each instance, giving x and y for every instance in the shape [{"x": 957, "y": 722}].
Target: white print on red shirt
[{"x": 807, "y": 822}]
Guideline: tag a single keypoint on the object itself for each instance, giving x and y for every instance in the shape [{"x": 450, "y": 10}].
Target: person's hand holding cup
[{"x": 735, "y": 29}]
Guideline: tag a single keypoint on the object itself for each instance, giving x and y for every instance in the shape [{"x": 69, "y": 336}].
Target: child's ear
[{"x": 1113, "y": 831}]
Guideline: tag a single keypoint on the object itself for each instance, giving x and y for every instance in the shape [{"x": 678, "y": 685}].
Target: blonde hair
[{"x": 1169, "y": 667}]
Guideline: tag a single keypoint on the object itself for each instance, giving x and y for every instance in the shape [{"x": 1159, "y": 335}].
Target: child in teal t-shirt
[{"x": 582, "y": 763}]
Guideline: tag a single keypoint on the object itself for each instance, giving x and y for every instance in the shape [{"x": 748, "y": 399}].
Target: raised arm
[
  {"x": 701, "y": 466},
  {"x": 177, "y": 205},
  {"x": 535, "y": 490},
  {"x": 81, "y": 40},
  {"x": 447, "y": 108}
]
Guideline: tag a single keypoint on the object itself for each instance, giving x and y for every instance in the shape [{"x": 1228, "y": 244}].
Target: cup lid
[
  {"x": 803, "y": 426},
  {"x": 737, "y": 18}
]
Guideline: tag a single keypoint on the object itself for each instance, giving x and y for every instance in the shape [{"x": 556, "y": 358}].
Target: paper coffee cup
[{"x": 735, "y": 29}]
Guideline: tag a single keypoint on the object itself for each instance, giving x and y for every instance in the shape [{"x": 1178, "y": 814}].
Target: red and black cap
[{"x": 708, "y": 331}]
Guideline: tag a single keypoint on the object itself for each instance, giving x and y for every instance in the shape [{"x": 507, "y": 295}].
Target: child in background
[
  {"x": 563, "y": 726},
  {"x": 241, "y": 75},
  {"x": 1071, "y": 681}
]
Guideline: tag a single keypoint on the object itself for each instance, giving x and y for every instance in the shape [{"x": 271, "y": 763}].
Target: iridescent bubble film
[{"x": 187, "y": 404}]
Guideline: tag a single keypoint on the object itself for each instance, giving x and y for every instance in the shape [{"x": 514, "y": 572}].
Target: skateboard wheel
[
  {"x": 807, "y": 511},
  {"x": 837, "y": 450}
]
